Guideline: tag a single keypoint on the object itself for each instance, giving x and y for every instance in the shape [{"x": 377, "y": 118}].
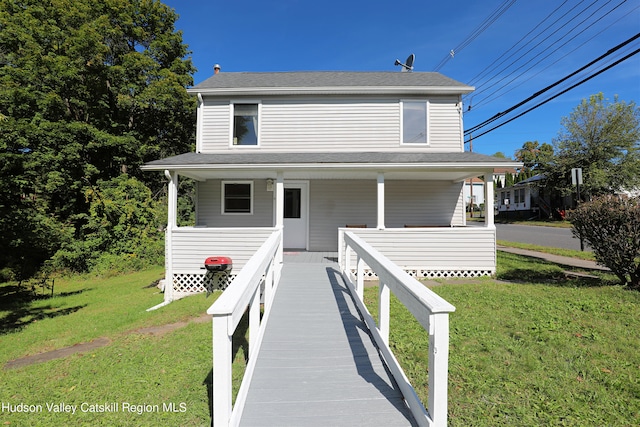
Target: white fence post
[
  {"x": 221, "y": 371},
  {"x": 254, "y": 323},
  {"x": 431, "y": 311},
  {"x": 228, "y": 311},
  {"x": 384, "y": 311},
  {"x": 347, "y": 259},
  {"x": 360, "y": 278},
  {"x": 438, "y": 367}
]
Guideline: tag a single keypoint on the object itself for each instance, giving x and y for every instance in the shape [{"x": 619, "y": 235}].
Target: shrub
[{"x": 611, "y": 226}]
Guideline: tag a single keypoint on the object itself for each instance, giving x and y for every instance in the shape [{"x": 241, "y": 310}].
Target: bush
[{"x": 611, "y": 226}]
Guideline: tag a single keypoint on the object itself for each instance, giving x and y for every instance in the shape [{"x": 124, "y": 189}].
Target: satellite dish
[{"x": 408, "y": 64}]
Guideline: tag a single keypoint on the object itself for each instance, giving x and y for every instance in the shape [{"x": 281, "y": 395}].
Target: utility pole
[{"x": 471, "y": 179}]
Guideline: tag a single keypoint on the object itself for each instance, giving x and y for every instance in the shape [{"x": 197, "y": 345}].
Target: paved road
[{"x": 536, "y": 235}]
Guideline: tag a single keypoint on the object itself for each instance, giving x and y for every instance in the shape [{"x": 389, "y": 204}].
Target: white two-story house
[{"x": 314, "y": 152}]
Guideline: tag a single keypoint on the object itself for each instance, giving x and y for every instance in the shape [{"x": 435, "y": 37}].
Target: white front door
[{"x": 296, "y": 196}]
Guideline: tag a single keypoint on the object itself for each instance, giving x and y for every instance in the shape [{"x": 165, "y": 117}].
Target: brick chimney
[{"x": 216, "y": 69}]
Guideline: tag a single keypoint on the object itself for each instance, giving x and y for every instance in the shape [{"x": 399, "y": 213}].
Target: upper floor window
[
  {"x": 245, "y": 124},
  {"x": 414, "y": 122}
]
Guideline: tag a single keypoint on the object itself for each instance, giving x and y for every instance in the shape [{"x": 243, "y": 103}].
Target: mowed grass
[
  {"x": 162, "y": 379},
  {"x": 539, "y": 349},
  {"x": 586, "y": 255}
]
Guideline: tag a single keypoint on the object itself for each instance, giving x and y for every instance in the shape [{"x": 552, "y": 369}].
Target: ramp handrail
[
  {"x": 263, "y": 267},
  {"x": 429, "y": 309}
]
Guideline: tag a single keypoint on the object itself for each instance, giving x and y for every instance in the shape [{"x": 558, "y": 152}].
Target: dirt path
[{"x": 98, "y": 343}]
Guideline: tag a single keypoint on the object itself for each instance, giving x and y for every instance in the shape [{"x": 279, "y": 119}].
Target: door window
[{"x": 292, "y": 202}]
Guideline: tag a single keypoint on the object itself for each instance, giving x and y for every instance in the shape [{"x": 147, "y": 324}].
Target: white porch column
[
  {"x": 280, "y": 200},
  {"x": 488, "y": 200},
  {"x": 172, "y": 223},
  {"x": 380, "y": 184}
]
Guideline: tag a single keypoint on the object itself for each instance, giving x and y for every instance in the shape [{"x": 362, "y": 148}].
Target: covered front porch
[{"x": 409, "y": 207}]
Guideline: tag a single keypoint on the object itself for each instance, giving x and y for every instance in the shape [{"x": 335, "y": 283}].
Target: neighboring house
[
  {"x": 522, "y": 200},
  {"x": 476, "y": 191},
  {"x": 312, "y": 152}
]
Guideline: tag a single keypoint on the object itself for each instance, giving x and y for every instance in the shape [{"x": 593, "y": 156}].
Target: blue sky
[{"x": 298, "y": 35}]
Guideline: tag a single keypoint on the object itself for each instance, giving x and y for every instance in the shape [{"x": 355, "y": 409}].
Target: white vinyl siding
[
  {"x": 338, "y": 203},
  {"x": 192, "y": 245},
  {"x": 423, "y": 203},
  {"x": 209, "y": 207},
  {"x": 436, "y": 249},
  {"x": 332, "y": 124},
  {"x": 353, "y": 125},
  {"x": 216, "y": 125},
  {"x": 445, "y": 132}
]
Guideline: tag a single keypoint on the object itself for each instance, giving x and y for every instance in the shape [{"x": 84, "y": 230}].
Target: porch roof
[{"x": 336, "y": 165}]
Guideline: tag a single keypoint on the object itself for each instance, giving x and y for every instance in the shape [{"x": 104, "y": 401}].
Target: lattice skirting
[
  {"x": 204, "y": 282},
  {"x": 434, "y": 274}
]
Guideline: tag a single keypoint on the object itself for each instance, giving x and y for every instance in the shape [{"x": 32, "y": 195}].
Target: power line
[
  {"x": 476, "y": 32},
  {"x": 546, "y": 89},
  {"x": 496, "y": 64},
  {"x": 560, "y": 93},
  {"x": 556, "y": 61},
  {"x": 556, "y": 42},
  {"x": 485, "y": 88}
]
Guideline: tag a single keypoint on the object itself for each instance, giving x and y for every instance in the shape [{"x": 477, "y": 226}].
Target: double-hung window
[
  {"x": 245, "y": 124},
  {"x": 237, "y": 197},
  {"x": 414, "y": 122}
]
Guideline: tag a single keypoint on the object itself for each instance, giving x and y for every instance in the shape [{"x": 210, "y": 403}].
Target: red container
[{"x": 218, "y": 263}]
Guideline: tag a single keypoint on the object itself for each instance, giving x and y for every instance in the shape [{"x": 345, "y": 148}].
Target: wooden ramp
[{"x": 317, "y": 365}]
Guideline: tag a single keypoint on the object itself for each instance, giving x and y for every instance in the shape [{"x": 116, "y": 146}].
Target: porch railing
[
  {"x": 434, "y": 252},
  {"x": 264, "y": 267},
  {"x": 429, "y": 309}
]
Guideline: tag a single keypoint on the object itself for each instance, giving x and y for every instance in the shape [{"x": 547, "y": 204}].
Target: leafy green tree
[
  {"x": 123, "y": 229},
  {"x": 508, "y": 180},
  {"x": 533, "y": 155},
  {"x": 602, "y": 138},
  {"x": 89, "y": 90}
]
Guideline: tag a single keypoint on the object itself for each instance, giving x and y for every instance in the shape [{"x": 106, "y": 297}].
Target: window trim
[
  {"x": 428, "y": 128},
  {"x": 223, "y": 199},
  {"x": 232, "y": 122}
]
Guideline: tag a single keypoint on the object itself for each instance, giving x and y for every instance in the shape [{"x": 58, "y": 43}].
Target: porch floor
[
  {"x": 318, "y": 365},
  {"x": 305, "y": 257}
]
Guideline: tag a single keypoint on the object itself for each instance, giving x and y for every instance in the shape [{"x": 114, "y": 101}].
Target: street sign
[{"x": 576, "y": 176}]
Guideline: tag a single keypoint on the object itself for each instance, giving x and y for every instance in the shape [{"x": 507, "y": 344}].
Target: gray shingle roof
[{"x": 337, "y": 80}]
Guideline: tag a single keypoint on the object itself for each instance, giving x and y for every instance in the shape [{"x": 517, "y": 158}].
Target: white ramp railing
[
  {"x": 263, "y": 267},
  {"x": 429, "y": 309}
]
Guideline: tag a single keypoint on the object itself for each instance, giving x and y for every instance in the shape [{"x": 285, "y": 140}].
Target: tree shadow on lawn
[
  {"x": 16, "y": 301},
  {"x": 523, "y": 269}
]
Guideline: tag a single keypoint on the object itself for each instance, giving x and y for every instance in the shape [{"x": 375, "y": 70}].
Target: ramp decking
[{"x": 317, "y": 365}]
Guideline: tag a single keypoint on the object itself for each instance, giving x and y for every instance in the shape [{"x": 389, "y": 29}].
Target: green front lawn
[{"x": 542, "y": 351}]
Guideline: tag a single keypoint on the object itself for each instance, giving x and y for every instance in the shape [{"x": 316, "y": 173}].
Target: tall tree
[
  {"x": 89, "y": 89},
  {"x": 602, "y": 138},
  {"x": 533, "y": 155}
]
